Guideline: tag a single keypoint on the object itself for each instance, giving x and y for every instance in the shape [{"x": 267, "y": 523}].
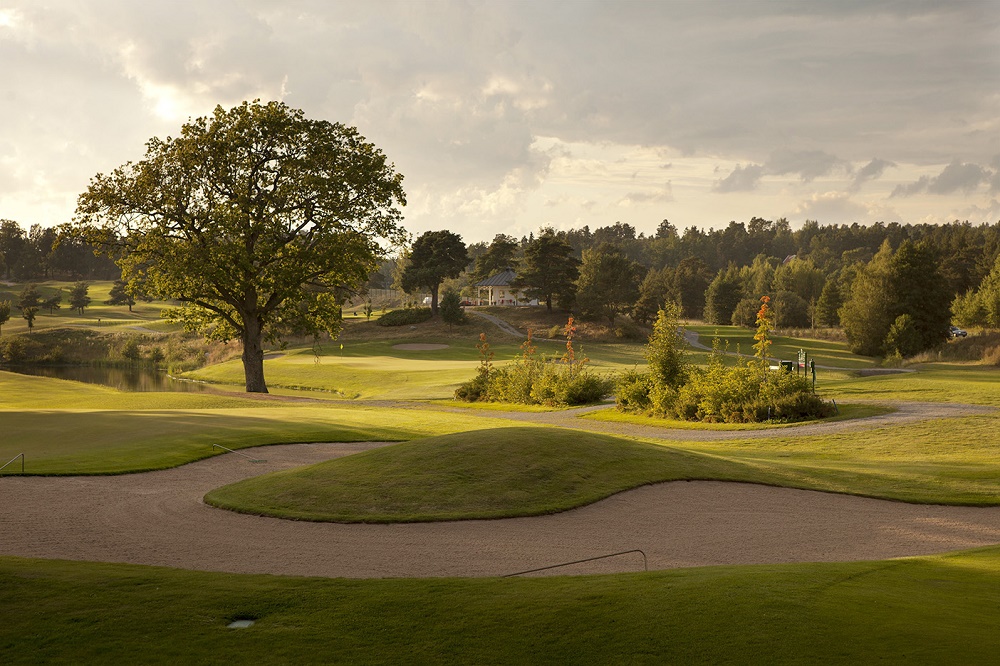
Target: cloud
[
  {"x": 831, "y": 208},
  {"x": 871, "y": 171},
  {"x": 955, "y": 177},
  {"x": 663, "y": 194},
  {"x": 742, "y": 179},
  {"x": 808, "y": 164}
]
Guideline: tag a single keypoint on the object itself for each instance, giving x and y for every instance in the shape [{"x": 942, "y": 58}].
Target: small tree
[
  {"x": 665, "y": 351},
  {"x": 765, "y": 324},
  {"x": 78, "y": 298},
  {"x": 52, "y": 304},
  {"x": 28, "y": 304},
  {"x": 4, "y": 313},
  {"x": 903, "y": 337},
  {"x": 451, "y": 308},
  {"x": 119, "y": 296}
]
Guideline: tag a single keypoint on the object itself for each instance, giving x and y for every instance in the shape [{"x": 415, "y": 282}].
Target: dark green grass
[
  {"x": 483, "y": 474},
  {"x": 922, "y": 610}
]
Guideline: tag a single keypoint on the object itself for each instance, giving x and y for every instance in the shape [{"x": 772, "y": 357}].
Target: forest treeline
[
  {"x": 50, "y": 253},
  {"x": 894, "y": 288}
]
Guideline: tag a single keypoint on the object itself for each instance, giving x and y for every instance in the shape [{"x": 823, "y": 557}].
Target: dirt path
[{"x": 158, "y": 518}]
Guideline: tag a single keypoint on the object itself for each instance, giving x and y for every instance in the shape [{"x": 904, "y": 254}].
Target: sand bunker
[{"x": 159, "y": 518}]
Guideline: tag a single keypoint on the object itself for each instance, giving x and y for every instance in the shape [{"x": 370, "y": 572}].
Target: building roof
[{"x": 501, "y": 279}]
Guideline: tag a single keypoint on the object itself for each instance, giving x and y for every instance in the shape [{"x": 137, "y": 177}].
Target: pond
[{"x": 123, "y": 379}]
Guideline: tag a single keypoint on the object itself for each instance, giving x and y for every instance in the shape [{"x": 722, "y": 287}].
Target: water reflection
[{"x": 123, "y": 379}]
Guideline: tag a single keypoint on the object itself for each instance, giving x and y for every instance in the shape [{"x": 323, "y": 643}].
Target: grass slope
[
  {"x": 74, "y": 428},
  {"x": 493, "y": 473},
  {"x": 938, "y": 609}
]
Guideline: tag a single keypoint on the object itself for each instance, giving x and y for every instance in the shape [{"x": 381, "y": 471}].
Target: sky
[{"x": 509, "y": 116}]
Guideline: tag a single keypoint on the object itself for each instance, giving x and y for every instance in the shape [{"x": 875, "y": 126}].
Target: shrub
[
  {"x": 404, "y": 317},
  {"x": 535, "y": 380},
  {"x": 747, "y": 392},
  {"x": 632, "y": 390}
]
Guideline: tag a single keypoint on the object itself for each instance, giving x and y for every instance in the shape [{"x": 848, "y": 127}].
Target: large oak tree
[{"x": 258, "y": 219}]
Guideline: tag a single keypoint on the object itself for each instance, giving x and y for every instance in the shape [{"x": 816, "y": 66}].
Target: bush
[
  {"x": 632, "y": 391},
  {"x": 745, "y": 393},
  {"x": 404, "y": 317},
  {"x": 535, "y": 380}
]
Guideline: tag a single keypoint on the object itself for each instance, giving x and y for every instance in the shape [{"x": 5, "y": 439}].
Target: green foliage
[
  {"x": 256, "y": 218},
  {"x": 903, "y": 338},
  {"x": 867, "y": 313},
  {"x": 723, "y": 295},
  {"x": 893, "y": 284},
  {"x": 29, "y": 302},
  {"x": 980, "y": 307},
  {"x": 829, "y": 303},
  {"x": 745, "y": 393},
  {"x": 790, "y": 310},
  {"x": 745, "y": 313},
  {"x": 119, "y": 295},
  {"x": 633, "y": 390},
  {"x": 451, "y": 308},
  {"x": 404, "y": 317},
  {"x": 13, "y": 349},
  {"x": 78, "y": 298},
  {"x": 668, "y": 365},
  {"x": 4, "y": 313},
  {"x": 657, "y": 288},
  {"x": 609, "y": 283},
  {"x": 436, "y": 255},
  {"x": 531, "y": 379},
  {"x": 499, "y": 256},
  {"x": 549, "y": 270}
]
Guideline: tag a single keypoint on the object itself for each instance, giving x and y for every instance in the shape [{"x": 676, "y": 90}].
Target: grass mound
[{"x": 496, "y": 473}]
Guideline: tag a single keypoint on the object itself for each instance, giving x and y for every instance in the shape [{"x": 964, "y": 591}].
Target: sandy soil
[{"x": 159, "y": 518}]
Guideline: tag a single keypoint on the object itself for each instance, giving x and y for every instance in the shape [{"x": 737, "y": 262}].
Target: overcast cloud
[{"x": 507, "y": 116}]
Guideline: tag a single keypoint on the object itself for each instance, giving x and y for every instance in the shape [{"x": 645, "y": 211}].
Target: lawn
[
  {"x": 463, "y": 465},
  {"x": 493, "y": 473},
  {"x": 938, "y": 609},
  {"x": 824, "y": 352},
  {"x": 73, "y": 428},
  {"x": 97, "y": 315},
  {"x": 376, "y": 369}
]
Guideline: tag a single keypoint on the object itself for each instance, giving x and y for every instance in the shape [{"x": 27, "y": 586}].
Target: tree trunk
[
  {"x": 434, "y": 300},
  {"x": 253, "y": 355},
  {"x": 548, "y": 302}
]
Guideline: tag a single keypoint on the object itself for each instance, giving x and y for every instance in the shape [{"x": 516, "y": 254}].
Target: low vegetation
[
  {"x": 534, "y": 379},
  {"x": 404, "y": 317},
  {"x": 748, "y": 392}
]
